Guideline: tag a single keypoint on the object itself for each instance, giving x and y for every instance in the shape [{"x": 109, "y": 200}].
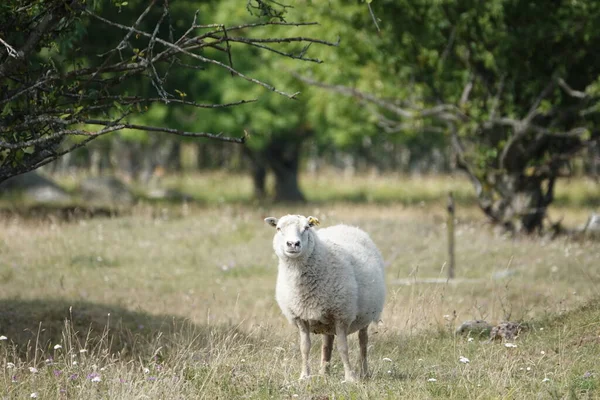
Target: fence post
[{"x": 450, "y": 226}]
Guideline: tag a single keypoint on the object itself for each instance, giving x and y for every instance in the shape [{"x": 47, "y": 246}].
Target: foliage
[
  {"x": 512, "y": 83},
  {"x": 87, "y": 69}
]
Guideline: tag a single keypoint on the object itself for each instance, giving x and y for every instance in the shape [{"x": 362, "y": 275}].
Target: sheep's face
[{"x": 294, "y": 235}]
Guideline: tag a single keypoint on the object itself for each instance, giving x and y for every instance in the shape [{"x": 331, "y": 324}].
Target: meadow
[{"x": 176, "y": 301}]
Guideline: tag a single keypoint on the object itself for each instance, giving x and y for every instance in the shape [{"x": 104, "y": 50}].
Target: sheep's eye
[
  {"x": 306, "y": 227},
  {"x": 278, "y": 229}
]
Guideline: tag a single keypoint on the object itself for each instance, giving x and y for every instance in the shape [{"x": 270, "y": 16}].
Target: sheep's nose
[{"x": 293, "y": 244}]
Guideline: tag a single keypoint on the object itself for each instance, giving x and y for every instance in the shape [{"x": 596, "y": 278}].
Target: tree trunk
[
  {"x": 259, "y": 180},
  {"x": 522, "y": 202},
  {"x": 286, "y": 185},
  {"x": 283, "y": 156}
]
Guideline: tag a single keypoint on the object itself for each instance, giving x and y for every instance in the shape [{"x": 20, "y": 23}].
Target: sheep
[{"x": 329, "y": 282}]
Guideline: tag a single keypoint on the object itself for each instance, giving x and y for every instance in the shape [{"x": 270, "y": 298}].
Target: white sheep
[{"x": 329, "y": 282}]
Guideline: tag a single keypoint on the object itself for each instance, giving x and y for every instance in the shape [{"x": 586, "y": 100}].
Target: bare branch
[
  {"x": 43, "y": 26},
  {"x": 185, "y": 51},
  {"x": 351, "y": 92},
  {"x": 533, "y": 111},
  {"x": 442, "y": 112},
  {"x": 11, "y": 52},
  {"x": 464, "y": 97},
  {"x": 373, "y": 16},
  {"x": 570, "y": 91},
  {"x": 123, "y": 42},
  {"x": 177, "y": 132},
  {"x": 42, "y": 107}
]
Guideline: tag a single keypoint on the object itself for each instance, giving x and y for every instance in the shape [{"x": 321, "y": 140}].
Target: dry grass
[{"x": 190, "y": 292}]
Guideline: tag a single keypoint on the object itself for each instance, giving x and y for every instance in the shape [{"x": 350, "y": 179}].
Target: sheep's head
[{"x": 294, "y": 235}]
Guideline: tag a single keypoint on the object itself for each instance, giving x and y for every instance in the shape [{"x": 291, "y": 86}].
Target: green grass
[
  {"x": 190, "y": 293},
  {"x": 220, "y": 187}
]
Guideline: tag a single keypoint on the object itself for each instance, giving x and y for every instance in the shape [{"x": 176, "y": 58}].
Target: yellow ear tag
[{"x": 313, "y": 221}]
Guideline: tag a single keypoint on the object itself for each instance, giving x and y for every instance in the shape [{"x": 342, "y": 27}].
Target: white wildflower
[
  {"x": 528, "y": 368},
  {"x": 10, "y": 365},
  {"x": 389, "y": 371},
  {"x": 464, "y": 360},
  {"x": 34, "y": 395},
  {"x": 96, "y": 379},
  {"x": 83, "y": 351},
  {"x": 146, "y": 370},
  {"x": 387, "y": 359},
  {"x": 75, "y": 363},
  {"x": 510, "y": 345},
  {"x": 33, "y": 370},
  {"x": 470, "y": 339},
  {"x": 431, "y": 380},
  {"x": 2, "y": 337},
  {"x": 57, "y": 346},
  {"x": 542, "y": 352},
  {"x": 546, "y": 380}
]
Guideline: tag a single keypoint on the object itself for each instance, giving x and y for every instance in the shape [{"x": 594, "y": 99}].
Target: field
[{"x": 176, "y": 301}]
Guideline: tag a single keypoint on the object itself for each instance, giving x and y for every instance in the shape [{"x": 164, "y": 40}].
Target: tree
[
  {"x": 53, "y": 100},
  {"x": 280, "y": 129},
  {"x": 515, "y": 85}
]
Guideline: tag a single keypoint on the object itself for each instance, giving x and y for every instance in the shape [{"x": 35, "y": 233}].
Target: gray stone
[
  {"x": 506, "y": 273},
  {"x": 105, "y": 191},
  {"x": 32, "y": 187},
  {"x": 593, "y": 224},
  {"x": 474, "y": 327},
  {"x": 167, "y": 194}
]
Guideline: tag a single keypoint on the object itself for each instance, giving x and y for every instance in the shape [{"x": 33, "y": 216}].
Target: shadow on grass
[{"x": 41, "y": 324}]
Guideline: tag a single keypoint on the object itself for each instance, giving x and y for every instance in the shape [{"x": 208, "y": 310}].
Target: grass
[
  {"x": 330, "y": 186},
  {"x": 190, "y": 293}
]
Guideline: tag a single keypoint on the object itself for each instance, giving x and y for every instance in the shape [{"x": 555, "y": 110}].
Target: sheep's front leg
[
  {"x": 341, "y": 331},
  {"x": 326, "y": 349},
  {"x": 363, "y": 340},
  {"x": 304, "y": 347}
]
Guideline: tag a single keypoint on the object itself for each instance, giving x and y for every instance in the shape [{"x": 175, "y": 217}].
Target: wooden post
[{"x": 450, "y": 225}]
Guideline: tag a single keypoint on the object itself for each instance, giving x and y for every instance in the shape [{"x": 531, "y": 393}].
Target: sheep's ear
[
  {"x": 312, "y": 221},
  {"x": 271, "y": 221}
]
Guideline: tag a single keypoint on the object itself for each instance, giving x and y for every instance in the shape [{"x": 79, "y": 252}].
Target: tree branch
[{"x": 570, "y": 91}]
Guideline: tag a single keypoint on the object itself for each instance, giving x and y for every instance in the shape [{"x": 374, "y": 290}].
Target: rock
[
  {"x": 106, "y": 191},
  {"x": 474, "y": 327},
  {"x": 506, "y": 331},
  {"x": 167, "y": 194},
  {"x": 506, "y": 273},
  {"x": 592, "y": 226},
  {"x": 32, "y": 187}
]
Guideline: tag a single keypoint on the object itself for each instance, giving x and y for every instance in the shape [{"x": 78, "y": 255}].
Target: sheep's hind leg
[
  {"x": 326, "y": 349},
  {"x": 304, "y": 347},
  {"x": 342, "y": 345},
  {"x": 363, "y": 340}
]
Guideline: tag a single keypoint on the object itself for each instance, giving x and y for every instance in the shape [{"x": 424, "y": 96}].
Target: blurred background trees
[{"x": 505, "y": 90}]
